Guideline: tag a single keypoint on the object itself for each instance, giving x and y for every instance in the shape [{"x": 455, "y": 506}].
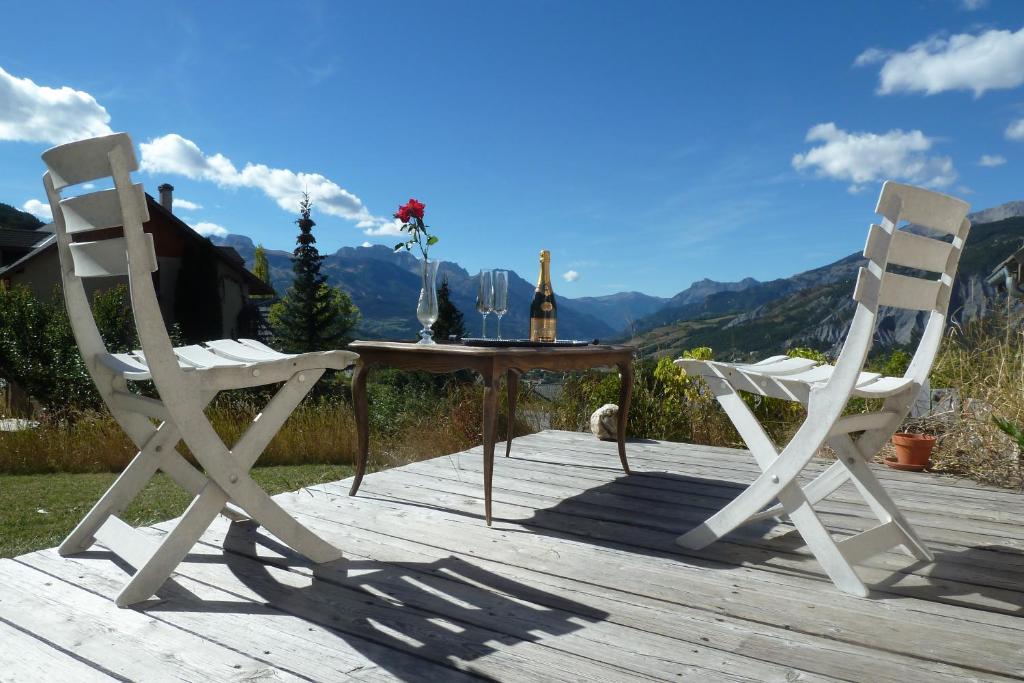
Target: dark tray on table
[{"x": 476, "y": 341}]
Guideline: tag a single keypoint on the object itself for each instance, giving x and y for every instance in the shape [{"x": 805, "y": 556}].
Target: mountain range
[
  {"x": 736, "y": 319},
  {"x": 385, "y": 286},
  {"x": 814, "y": 308}
]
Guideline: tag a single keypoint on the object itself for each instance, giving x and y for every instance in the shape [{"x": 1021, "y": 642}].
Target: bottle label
[{"x": 542, "y": 329}]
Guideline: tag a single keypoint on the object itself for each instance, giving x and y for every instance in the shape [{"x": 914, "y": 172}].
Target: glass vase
[{"x": 426, "y": 309}]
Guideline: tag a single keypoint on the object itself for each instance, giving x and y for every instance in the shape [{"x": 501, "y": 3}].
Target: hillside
[
  {"x": 16, "y": 219},
  {"x": 814, "y": 308}
]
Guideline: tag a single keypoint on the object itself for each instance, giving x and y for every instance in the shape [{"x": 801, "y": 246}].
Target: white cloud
[
  {"x": 366, "y": 244},
  {"x": 40, "y": 210},
  {"x": 991, "y": 160},
  {"x": 971, "y": 5},
  {"x": 186, "y": 205},
  {"x": 1015, "y": 131},
  {"x": 570, "y": 276},
  {"x": 867, "y": 157},
  {"x": 210, "y": 229},
  {"x": 988, "y": 61},
  {"x": 872, "y": 55},
  {"x": 37, "y": 113},
  {"x": 381, "y": 226},
  {"x": 88, "y": 186},
  {"x": 174, "y": 154}
]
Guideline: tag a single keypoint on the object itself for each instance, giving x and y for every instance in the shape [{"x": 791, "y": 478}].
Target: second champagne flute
[
  {"x": 500, "y": 295},
  {"x": 485, "y": 298}
]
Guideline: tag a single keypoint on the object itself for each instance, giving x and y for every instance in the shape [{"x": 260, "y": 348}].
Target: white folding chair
[
  {"x": 186, "y": 378},
  {"x": 826, "y": 390}
]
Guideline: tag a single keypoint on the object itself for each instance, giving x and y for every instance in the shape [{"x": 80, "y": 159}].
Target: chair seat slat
[
  {"x": 203, "y": 358},
  {"x": 234, "y": 350}
]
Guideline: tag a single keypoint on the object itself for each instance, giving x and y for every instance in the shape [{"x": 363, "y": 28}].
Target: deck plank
[
  {"x": 782, "y": 598},
  {"x": 24, "y": 657},
  {"x": 577, "y": 579}
]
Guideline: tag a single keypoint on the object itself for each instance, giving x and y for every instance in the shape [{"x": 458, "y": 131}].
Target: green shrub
[{"x": 38, "y": 349}]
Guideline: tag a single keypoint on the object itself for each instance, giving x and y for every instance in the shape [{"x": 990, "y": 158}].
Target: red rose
[
  {"x": 416, "y": 208},
  {"x": 409, "y": 210}
]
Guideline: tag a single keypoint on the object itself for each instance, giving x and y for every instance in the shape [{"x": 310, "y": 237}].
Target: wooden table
[{"x": 491, "y": 363}]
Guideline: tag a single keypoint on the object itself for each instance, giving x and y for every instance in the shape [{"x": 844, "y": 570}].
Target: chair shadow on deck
[
  {"x": 445, "y": 611},
  {"x": 645, "y": 512}
]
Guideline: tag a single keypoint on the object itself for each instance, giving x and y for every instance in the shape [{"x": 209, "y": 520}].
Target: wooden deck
[{"x": 578, "y": 580}]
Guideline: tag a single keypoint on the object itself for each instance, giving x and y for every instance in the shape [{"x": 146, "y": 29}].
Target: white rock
[{"x": 603, "y": 423}]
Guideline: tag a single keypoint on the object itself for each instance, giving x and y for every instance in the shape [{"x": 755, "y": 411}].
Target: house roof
[
  {"x": 22, "y": 239},
  {"x": 49, "y": 241},
  {"x": 256, "y": 286}
]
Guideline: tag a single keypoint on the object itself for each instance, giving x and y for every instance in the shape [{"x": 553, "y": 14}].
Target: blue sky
[{"x": 647, "y": 144}]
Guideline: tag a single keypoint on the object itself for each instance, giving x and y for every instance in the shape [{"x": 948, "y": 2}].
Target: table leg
[
  {"x": 625, "y": 395},
  {"x": 490, "y": 415},
  {"x": 512, "y": 386},
  {"x": 362, "y": 424}
]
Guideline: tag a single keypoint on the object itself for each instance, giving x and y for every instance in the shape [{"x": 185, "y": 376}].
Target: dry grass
[
  {"x": 319, "y": 431},
  {"x": 92, "y": 441},
  {"x": 985, "y": 365}
]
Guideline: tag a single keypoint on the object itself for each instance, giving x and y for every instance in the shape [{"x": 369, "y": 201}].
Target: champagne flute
[
  {"x": 485, "y": 298},
  {"x": 500, "y": 296}
]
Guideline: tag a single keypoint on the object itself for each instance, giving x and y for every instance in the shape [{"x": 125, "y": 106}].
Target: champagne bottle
[{"x": 543, "y": 312}]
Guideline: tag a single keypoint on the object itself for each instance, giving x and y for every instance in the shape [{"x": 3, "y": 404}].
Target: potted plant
[{"x": 913, "y": 451}]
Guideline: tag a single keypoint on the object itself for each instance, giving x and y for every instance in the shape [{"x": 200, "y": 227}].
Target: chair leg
[
  {"x": 249, "y": 496},
  {"x": 820, "y": 542},
  {"x": 237, "y": 487},
  {"x": 793, "y": 501},
  {"x": 127, "y": 486},
  {"x": 174, "y": 547},
  {"x": 877, "y": 498},
  {"x": 820, "y": 488}
]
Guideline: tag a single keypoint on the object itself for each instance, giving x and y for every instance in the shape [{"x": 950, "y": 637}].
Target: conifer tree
[
  {"x": 260, "y": 266},
  {"x": 312, "y": 316},
  {"x": 449, "y": 317}
]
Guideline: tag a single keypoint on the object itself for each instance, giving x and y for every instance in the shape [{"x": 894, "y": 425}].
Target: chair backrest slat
[
  {"x": 106, "y": 258},
  {"x": 907, "y": 249},
  {"x": 921, "y": 207},
  {"x": 98, "y": 210},
  {"x": 911, "y": 293},
  {"x": 86, "y": 160}
]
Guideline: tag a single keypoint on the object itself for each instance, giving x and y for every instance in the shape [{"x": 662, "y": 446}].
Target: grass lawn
[{"x": 38, "y": 510}]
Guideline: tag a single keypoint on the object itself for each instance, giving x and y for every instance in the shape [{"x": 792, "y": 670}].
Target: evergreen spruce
[
  {"x": 449, "y": 317},
  {"x": 312, "y": 316}
]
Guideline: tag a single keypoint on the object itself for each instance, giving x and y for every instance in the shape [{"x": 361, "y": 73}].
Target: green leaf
[
  {"x": 432, "y": 240},
  {"x": 1012, "y": 430},
  {"x": 399, "y": 246}
]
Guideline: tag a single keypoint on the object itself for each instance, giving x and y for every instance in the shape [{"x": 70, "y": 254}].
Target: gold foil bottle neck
[{"x": 545, "y": 256}]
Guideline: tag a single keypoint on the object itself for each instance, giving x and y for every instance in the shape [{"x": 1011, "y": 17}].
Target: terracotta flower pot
[{"x": 913, "y": 450}]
